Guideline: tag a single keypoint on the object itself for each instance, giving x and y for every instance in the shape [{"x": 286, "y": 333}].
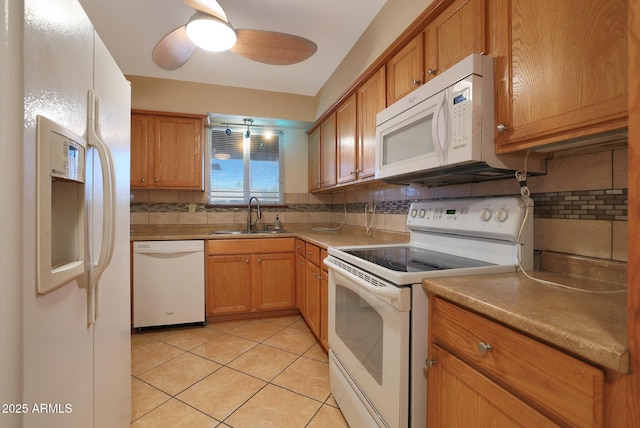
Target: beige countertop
[
  {"x": 347, "y": 235},
  {"x": 590, "y": 326}
]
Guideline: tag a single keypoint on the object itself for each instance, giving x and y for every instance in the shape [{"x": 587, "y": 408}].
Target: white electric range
[{"x": 378, "y": 308}]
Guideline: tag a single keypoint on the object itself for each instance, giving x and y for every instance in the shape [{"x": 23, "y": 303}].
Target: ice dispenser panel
[{"x": 61, "y": 205}]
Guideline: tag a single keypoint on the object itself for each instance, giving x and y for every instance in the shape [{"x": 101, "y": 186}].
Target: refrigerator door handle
[{"x": 108, "y": 204}]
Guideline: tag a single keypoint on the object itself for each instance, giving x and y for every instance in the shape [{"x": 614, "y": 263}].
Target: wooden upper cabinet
[
  {"x": 139, "y": 150},
  {"x": 314, "y": 160},
  {"x": 328, "y": 151},
  {"x": 405, "y": 70},
  {"x": 346, "y": 130},
  {"x": 371, "y": 101},
  {"x": 168, "y": 148},
  {"x": 457, "y": 32},
  {"x": 561, "y": 70}
]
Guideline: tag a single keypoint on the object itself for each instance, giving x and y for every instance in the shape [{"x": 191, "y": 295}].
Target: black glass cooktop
[{"x": 412, "y": 259}]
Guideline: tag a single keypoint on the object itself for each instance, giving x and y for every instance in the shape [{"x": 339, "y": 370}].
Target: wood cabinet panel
[
  {"x": 459, "y": 396},
  {"x": 250, "y": 275},
  {"x": 274, "y": 279},
  {"x": 312, "y": 283},
  {"x": 570, "y": 391},
  {"x": 346, "y": 130},
  {"x": 177, "y": 152},
  {"x": 404, "y": 70},
  {"x": 561, "y": 70},
  {"x": 166, "y": 150},
  {"x": 250, "y": 246},
  {"x": 371, "y": 101},
  {"x": 301, "y": 289},
  {"x": 140, "y": 134},
  {"x": 314, "y": 160},
  {"x": 328, "y": 152},
  {"x": 454, "y": 34},
  {"x": 228, "y": 288}
]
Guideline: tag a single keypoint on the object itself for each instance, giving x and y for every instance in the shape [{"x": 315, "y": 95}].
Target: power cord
[
  {"x": 368, "y": 225},
  {"x": 521, "y": 177},
  {"x": 331, "y": 229}
]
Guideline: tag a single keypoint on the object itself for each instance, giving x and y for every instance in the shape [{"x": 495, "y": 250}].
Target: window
[{"x": 240, "y": 168}]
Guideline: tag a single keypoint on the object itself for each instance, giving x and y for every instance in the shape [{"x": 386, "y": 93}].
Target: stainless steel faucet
[{"x": 258, "y": 213}]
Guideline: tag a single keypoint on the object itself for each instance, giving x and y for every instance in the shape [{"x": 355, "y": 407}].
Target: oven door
[{"x": 369, "y": 334}]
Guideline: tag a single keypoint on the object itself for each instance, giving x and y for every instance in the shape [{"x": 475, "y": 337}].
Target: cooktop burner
[{"x": 413, "y": 259}]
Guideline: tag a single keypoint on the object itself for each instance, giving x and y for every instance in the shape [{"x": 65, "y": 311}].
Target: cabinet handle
[
  {"x": 352, "y": 173},
  {"x": 246, "y": 260},
  {"x": 501, "y": 128},
  {"x": 484, "y": 348},
  {"x": 416, "y": 82},
  {"x": 429, "y": 363},
  {"x": 432, "y": 71},
  {"x": 310, "y": 252},
  {"x": 142, "y": 180},
  {"x": 259, "y": 260},
  {"x": 156, "y": 180}
]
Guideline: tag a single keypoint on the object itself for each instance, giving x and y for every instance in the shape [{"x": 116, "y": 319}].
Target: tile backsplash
[{"x": 580, "y": 205}]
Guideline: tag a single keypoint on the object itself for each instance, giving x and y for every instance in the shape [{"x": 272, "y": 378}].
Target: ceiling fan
[{"x": 267, "y": 47}]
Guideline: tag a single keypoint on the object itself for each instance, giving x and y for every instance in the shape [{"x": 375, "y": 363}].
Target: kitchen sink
[{"x": 248, "y": 232}]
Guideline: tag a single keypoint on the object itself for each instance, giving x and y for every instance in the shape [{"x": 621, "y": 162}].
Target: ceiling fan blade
[
  {"x": 173, "y": 50},
  {"x": 212, "y": 7},
  {"x": 272, "y": 48}
]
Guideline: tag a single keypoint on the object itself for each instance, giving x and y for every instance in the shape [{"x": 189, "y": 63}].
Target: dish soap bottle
[{"x": 277, "y": 225}]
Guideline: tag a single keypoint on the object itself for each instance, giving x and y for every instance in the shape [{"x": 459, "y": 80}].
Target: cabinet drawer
[
  {"x": 565, "y": 388},
  {"x": 300, "y": 247},
  {"x": 312, "y": 253},
  {"x": 250, "y": 246}
]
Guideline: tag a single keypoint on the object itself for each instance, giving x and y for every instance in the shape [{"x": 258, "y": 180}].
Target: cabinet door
[
  {"x": 455, "y": 33},
  {"x": 177, "y": 152},
  {"x": 324, "y": 309},
  {"x": 459, "y": 396},
  {"x": 313, "y": 298},
  {"x": 561, "y": 70},
  {"x": 274, "y": 281},
  {"x": 328, "y": 151},
  {"x": 139, "y": 150},
  {"x": 314, "y": 160},
  {"x": 371, "y": 101},
  {"x": 228, "y": 287},
  {"x": 404, "y": 70},
  {"x": 301, "y": 275},
  {"x": 346, "y": 115}
]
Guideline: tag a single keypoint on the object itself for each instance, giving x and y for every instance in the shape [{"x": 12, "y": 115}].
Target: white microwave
[{"x": 443, "y": 132}]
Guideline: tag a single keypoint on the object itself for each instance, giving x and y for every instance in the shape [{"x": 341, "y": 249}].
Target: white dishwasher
[{"x": 168, "y": 283}]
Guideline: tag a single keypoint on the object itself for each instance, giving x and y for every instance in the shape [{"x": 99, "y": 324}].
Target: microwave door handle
[{"x": 440, "y": 134}]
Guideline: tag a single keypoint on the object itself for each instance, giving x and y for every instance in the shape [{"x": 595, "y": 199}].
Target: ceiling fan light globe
[{"x": 210, "y": 33}]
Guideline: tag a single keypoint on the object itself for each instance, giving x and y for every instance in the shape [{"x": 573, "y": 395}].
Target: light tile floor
[{"x": 260, "y": 373}]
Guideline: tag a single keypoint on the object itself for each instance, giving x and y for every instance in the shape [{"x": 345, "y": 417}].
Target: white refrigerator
[{"x": 66, "y": 355}]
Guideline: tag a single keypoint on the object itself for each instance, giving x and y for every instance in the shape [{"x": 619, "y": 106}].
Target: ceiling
[{"x": 131, "y": 28}]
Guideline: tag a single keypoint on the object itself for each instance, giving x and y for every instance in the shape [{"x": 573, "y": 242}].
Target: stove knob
[
  {"x": 501, "y": 215},
  {"x": 414, "y": 212},
  {"x": 421, "y": 213},
  {"x": 485, "y": 214}
]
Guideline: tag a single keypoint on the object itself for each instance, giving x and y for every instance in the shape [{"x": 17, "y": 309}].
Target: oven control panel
[{"x": 494, "y": 217}]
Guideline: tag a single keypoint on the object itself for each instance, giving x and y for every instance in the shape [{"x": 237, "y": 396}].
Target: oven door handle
[{"x": 387, "y": 291}]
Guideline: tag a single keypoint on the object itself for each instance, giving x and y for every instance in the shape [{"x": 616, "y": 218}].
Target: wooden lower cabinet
[
  {"x": 324, "y": 303},
  {"x": 250, "y": 275},
  {"x": 312, "y": 283},
  {"x": 486, "y": 374}
]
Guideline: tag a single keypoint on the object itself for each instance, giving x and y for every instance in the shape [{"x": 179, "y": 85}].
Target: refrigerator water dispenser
[{"x": 61, "y": 205}]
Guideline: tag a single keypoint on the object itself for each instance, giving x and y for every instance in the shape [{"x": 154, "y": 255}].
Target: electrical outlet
[{"x": 192, "y": 207}]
